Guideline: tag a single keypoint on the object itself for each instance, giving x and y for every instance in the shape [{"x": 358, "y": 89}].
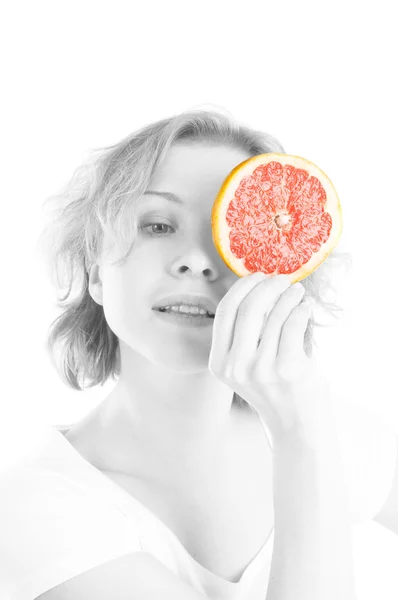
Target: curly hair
[{"x": 97, "y": 203}]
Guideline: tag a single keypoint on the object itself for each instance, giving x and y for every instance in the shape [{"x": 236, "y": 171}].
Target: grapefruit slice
[{"x": 276, "y": 213}]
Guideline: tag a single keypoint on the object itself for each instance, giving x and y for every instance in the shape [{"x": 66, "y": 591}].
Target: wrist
[
  {"x": 304, "y": 415},
  {"x": 318, "y": 434}
]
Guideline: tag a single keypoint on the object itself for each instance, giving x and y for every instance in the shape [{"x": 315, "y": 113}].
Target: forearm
[
  {"x": 312, "y": 556},
  {"x": 388, "y": 515}
]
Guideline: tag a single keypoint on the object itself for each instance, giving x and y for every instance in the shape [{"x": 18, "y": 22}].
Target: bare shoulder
[{"x": 135, "y": 575}]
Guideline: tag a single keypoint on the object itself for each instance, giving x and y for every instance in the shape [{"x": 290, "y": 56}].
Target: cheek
[
  {"x": 128, "y": 294},
  {"x": 121, "y": 303}
]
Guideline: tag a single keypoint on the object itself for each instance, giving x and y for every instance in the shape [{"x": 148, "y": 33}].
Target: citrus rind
[{"x": 221, "y": 229}]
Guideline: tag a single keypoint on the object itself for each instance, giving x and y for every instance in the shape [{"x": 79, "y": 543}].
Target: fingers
[
  {"x": 270, "y": 343},
  {"x": 253, "y": 313},
  {"x": 231, "y": 318},
  {"x": 224, "y": 320},
  {"x": 291, "y": 344}
]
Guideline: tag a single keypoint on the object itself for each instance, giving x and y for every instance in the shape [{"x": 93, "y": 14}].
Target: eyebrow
[{"x": 168, "y": 195}]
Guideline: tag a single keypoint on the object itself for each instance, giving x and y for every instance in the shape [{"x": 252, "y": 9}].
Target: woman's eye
[{"x": 152, "y": 233}]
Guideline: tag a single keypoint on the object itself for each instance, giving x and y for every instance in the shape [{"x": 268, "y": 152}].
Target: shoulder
[
  {"x": 54, "y": 525},
  {"x": 369, "y": 452}
]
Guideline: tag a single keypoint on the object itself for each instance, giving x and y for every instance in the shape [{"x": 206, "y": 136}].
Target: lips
[
  {"x": 188, "y": 314},
  {"x": 189, "y": 299}
]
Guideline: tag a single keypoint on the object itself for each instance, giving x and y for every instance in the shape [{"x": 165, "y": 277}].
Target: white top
[{"x": 60, "y": 516}]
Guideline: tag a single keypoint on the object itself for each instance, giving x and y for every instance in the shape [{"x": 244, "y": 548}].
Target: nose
[
  {"x": 200, "y": 258},
  {"x": 196, "y": 267}
]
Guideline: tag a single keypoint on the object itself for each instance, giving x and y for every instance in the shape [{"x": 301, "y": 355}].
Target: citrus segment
[{"x": 276, "y": 213}]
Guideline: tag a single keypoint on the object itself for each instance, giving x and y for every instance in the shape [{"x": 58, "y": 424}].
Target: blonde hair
[{"x": 98, "y": 203}]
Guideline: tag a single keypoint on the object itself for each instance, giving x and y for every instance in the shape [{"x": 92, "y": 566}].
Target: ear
[{"x": 95, "y": 283}]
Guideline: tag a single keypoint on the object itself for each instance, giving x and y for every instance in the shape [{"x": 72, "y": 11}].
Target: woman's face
[{"x": 176, "y": 255}]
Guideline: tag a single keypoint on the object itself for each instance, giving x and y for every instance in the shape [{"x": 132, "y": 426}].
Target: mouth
[
  {"x": 208, "y": 315},
  {"x": 184, "y": 319},
  {"x": 192, "y": 303}
]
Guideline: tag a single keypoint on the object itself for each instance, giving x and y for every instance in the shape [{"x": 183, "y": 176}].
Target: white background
[{"x": 320, "y": 76}]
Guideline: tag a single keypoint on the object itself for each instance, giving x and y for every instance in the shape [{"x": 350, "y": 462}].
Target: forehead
[{"x": 197, "y": 164}]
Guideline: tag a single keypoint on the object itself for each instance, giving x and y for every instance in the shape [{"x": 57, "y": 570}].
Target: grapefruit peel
[{"x": 276, "y": 213}]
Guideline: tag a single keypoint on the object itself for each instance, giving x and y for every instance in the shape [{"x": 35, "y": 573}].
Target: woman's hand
[{"x": 274, "y": 376}]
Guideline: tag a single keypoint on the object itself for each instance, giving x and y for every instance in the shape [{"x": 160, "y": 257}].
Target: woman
[{"x": 212, "y": 468}]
